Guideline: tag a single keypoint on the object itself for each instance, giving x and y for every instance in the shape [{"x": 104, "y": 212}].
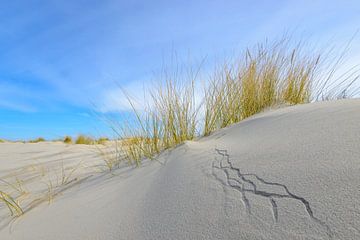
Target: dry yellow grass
[
  {"x": 170, "y": 120},
  {"x": 68, "y": 140},
  {"x": 260, "y": 78},
  {"x": 278, "y": 73},
  {"x": 102, "y": 140},
  {"x": 267, "y": 75},
  {"x": 82, "y": 139},
  {"x": 11, "y": 203},
  {"x": 40, "y": 139}
]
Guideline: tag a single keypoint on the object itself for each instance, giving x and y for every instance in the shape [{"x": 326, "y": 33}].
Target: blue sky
[{"x": 60, "y": 58}]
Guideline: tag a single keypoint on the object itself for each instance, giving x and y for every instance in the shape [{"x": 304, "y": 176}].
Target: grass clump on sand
[
  {"x": 11, "y": 204},
  {"x": 82, "y": 139},
  {"x": 267, "y": 75},
  {"x": 102, "y": 140},
  {"x": 40, "y": 139},
  {"x": 263, "y": 77},
  {"x": 67, "y": 140},
  {"x": 170, "y": 119},
  {"x": 2, "y": 141}
]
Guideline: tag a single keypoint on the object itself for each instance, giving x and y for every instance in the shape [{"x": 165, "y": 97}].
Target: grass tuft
[
  {"x": 82, "y": 139},
  {"x": 40, "y": 139},
  {"x": 169, "y": 120},
  {"x": 11, "y": 204},
  {"x": 265, "y": 76},
  {"x": 68, "y": 140},
  {"x": 102, "y": 140}
]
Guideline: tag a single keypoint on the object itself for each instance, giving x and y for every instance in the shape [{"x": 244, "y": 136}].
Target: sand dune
[{"x": 291, "y": 173}]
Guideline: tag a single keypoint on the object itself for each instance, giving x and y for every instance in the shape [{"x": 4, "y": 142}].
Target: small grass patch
[
  {"x": 265, "y": 76},
  {"x": 102, "y": 140},
  {"x": 11, "y": 204},
  {"x": 37, "y": 140},
  {"x": 170, "y": 120},
  {"x": 68, "y": 140},
  {"x": 111, "y": 156},
  {"x": 82, "y": 139}
]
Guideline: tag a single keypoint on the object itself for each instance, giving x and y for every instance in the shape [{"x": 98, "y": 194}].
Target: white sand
[{"x": 292, "y": 173}]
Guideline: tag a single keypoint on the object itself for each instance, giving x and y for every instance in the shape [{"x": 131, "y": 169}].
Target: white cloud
[{"x": 116, "y": 99}]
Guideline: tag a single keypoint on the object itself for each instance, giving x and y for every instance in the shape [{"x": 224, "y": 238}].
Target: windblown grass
[
  {"x": 24, "y": 188},
  {"x": 11, "y": 204},
  {"x": 169, "y": 120},
  {"x": 267, "y": 75},
  {"x": 270, "y": 75},
  {"x": 112, "y": 156},
  {"x": 263, "y": 77},
  {"x": 28, "y": 186}
]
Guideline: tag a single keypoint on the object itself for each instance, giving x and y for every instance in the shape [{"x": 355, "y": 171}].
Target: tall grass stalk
[
  {"x": 11, "y": 204},
  {"x": 169, "y": 119}
]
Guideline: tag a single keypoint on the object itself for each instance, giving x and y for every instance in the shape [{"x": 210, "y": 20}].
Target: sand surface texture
[{"x": 291, "y": 173}]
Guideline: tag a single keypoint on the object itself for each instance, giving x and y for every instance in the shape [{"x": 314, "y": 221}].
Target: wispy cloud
[
  {"x": 16, "y": 106},
  {"x": 116, "y": 99}
]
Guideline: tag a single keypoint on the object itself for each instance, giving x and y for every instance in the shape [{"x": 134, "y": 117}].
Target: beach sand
[{"x": 290, "y": 173}]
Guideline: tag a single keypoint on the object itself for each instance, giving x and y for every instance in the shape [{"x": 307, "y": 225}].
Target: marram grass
[
  {"x": 170, "y": 120},
  {"x": 68, "y": 140},
  {"x": 11, "y": 204},
  {"x": 37, "y": 140},
  {"x": 262, "y": 77},
  {"x": 82, "y": 139}
]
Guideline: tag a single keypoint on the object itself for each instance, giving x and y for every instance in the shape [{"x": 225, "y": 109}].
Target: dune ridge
[{"x": 290, "y": 173}]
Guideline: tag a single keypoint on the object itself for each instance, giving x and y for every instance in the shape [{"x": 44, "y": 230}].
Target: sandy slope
[{"x": 292, "y": 173}]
